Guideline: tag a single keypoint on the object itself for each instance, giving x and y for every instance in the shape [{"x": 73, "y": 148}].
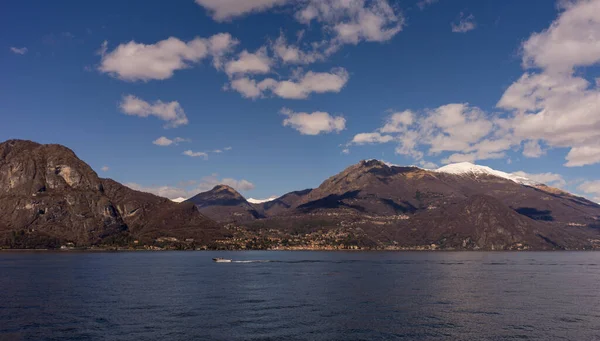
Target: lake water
[{"x": 300, "y": 296}]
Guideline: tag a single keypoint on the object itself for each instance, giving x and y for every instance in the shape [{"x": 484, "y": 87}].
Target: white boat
[{"x": 222, "y": 260}]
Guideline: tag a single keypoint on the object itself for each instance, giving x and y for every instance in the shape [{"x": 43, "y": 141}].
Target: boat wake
[{"x": 251, "y": 261}]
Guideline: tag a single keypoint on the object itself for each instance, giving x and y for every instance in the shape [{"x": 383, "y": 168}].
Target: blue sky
[{"x": 293, "y": 91}]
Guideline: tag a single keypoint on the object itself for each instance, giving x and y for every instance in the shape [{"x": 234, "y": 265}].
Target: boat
[{"x": 222, "y": 260}]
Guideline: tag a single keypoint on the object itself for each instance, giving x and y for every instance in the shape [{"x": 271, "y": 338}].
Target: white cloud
[
  {"x": 105, "y": 168},
  {"x": 188, "y": 189},
  {"x": 172, "y": 112},
  {"x": 228, "y": 148},
  {"x": 249, "y": 88},
  {"x": 551, "y": 179},
  {"x": 221, "y": 10},
  {"x": 397, "y": 122},
  {"x": 18, "y": 50},
  {"x": 533, "y": 149},
  {"x": 584, "y": 155},
  {"x": 313, "y": 124},
  {"x": 301, "y": 88},
  {"x": 220, "y": 45},
  {"x": 249, "y": 63},
  {"x": 136, "y": 61},
  {"x": 317, "y": 82},
  {"x": 365, "y": 138},
  {"x": 571, "y": 40},
  {"x": 164, "y": 141},
  {"x": 591, "y": 187},
  {"x": 464, "y": 23},
  {"x": 346, "y": 151},
  {"x": 192, "y": 153}
]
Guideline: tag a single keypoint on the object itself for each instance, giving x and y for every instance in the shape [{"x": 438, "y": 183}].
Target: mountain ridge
[{"x": 49, "y": 197}]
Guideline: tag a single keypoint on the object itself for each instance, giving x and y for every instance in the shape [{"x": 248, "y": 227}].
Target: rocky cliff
[{"x": 49, "y": 197}]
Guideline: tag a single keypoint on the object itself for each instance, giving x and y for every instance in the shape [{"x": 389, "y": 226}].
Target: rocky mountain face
[
  {"x": 49, "y": 197},
  {"x": 225, "y": 204}
]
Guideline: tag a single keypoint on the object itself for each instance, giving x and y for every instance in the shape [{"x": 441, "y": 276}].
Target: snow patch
[
  {"x": 179, "y": 200},
  {"x": 260, "y": 201},
  {"x": 467, "y": 168}
]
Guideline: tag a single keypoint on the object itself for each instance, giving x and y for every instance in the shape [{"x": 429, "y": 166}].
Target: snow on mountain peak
[
  {"x": 179, "y": 200},
  {"x": 260, "y": 201},
  {"x": 467, "y": 168}
]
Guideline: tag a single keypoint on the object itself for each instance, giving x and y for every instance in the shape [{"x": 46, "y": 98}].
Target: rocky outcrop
[{"x": 48, "y": 197}]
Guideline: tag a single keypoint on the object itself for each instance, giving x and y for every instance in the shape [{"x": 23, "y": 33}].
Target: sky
[{"x": 271, "y": 96}]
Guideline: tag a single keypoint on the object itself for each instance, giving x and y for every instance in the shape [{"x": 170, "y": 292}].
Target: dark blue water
[{"x": 300, "y": 296}]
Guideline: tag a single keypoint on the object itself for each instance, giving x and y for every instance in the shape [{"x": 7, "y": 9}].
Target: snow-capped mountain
[
  {"x": 260, "y": 201},
  {"x": 467, "y": 168}
]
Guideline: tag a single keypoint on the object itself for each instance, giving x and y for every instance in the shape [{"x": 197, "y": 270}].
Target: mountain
[
  {"x": 460, "y": 206},
  {"x": 225, "y": 204},
  {"x": 49, "y": 197},
  {"x": 283, "y": 203}
]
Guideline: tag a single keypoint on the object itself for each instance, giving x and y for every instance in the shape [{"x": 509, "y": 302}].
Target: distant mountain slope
[
  {"x": 283, "y": 203},
  {"x": 225, "y": 204},
  {"x": 149, "y": 216},
  {"x": 373, "y": 187},
  {"x": 412, "y": 206}
]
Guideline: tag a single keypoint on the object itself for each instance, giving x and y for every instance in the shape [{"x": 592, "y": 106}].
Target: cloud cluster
[
  {"x": 192, "y": 153},
  {"x": 342, "y": 21},
  {"x": 188, "y": 189},
  {"x": 353, "y": 21},
  {"x": 172, "y": 112},
  {"x": 205, "y": 154},
  {"x": 551, "y": 105},
  {"x": 467, "y": 131},
  {"x": 299, "y": 87},
  {"x": 313, "y": 124},
  {"x": 136, "y": 61},
  {"x": 463, "y": 24}
]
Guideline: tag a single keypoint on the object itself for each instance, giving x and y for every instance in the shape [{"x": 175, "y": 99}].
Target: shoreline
[{"x": 276, "y": 250}]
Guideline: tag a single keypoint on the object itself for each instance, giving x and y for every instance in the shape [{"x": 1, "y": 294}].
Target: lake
[{"x": 300, "y": 296}]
